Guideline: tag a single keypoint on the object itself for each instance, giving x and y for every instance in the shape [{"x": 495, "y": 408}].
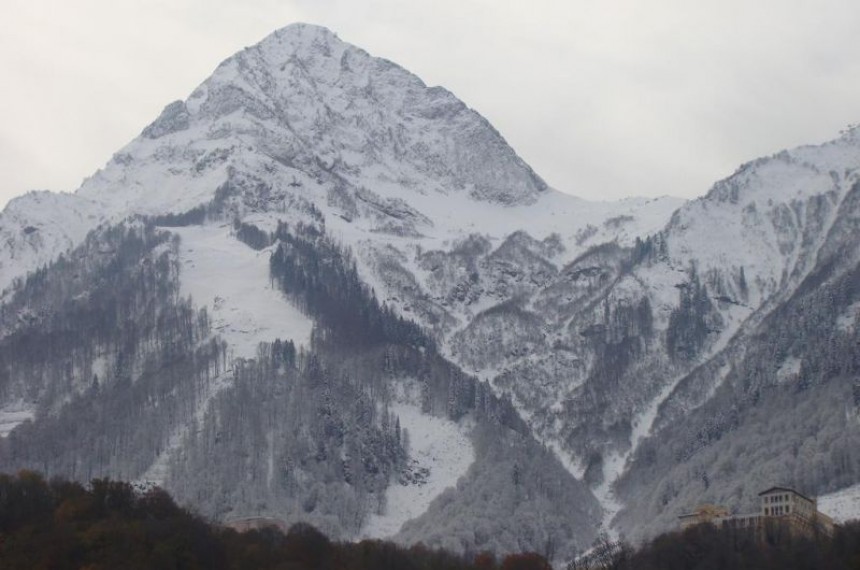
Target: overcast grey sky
[{"x": 603, "y": 99}]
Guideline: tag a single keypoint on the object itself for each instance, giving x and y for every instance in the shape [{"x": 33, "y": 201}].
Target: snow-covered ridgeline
[
  {"x": 37, "y": 227},
  {"x": 374, "y": 126},
  {"x": 770, "y": 217}
]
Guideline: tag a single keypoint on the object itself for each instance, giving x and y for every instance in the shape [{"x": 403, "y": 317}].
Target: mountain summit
[
  {"x": 300, "y": 99},
  {"x": 305, "y": 96}
]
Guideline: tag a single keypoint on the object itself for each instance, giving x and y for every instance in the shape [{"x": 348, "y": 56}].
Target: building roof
[
  {"x": 789, "y": 489},
  {"x": 706, "y": 510}
]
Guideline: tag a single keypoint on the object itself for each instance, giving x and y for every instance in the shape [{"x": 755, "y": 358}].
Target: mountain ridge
[
  {"x": 559, "y": 333},
  {"x": 148, "y": 167}
]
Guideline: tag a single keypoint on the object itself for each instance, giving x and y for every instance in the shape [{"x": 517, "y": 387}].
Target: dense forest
[
  {"x": 332, "y": 435},
  {"x": 786, "y": 410},
  {"x": 706, "y": 547},
  {"x": 127, "y": 379},
  {"x": 108, "y": 352},
  {"x": 108, "y": 524},
  {"x": 321, "y": 278}
]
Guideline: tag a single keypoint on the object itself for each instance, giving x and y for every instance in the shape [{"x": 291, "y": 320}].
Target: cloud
[{"x": 603, "y": 99}]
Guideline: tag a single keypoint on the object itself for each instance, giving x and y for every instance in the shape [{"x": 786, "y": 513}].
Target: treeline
[
  {"x": 107, "y": 525},
  {"x": 294, "y": 439},
  {"x": 321, "y": 278},
  {"x": 692, "y": 321},
  {"x": 128, "y": 380},
  {"x": 115, "y": 298},
  {"x": 307, "y": 433},
  {"x": 334, "y": 472},
  {"x": 707, "y": 547},
  {"x": 110, "y": 355}
]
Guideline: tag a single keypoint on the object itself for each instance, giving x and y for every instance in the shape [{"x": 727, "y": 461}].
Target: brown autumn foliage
[
  {"x": 525, "y": 561},
  {"x": 706, "y": 547},
  {"x": 108, "y": 525},
  {"x": 59, "y": 525}
]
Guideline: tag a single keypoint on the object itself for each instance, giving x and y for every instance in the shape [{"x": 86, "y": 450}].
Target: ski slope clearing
[
  {"x": 232, "y": 281},
  {"x": 441, "y": 453},
  {"x": 14, "y": 415},
  {"x": 842, "y": 505}
]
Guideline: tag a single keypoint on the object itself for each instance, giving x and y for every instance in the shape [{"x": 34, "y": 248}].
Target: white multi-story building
[{"x": 781, "y": 508}]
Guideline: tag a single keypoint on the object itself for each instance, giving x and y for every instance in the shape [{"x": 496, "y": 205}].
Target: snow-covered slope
[
  {"x": 232, "y": 281},
  {"x": 308, "y": 130},
  {"x": 770, "y": 217},
  {"x": 14, "y": 414},
  {"x": 606, "y": 324},
  {"x": 38, "y": 226},
  {"x": 843, "y": 505},
  {"x": 440, "y": 453},
  {"x": 309, "y": 119},
  {"x": 569, "y": 330}
]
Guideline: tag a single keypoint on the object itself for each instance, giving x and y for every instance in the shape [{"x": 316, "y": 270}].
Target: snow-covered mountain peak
[
  {"x": 36, "y": 227},
  {"x": 309, "y": 101},
  {"x": 354, "y": 110},
  {"x": 769, "y": 217},
  {"x": 786, "y": 175},
  {"x": 316, "y": 118},
  {"x": 603, "y": 326},
  {"x": 304, "y": 34}
]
